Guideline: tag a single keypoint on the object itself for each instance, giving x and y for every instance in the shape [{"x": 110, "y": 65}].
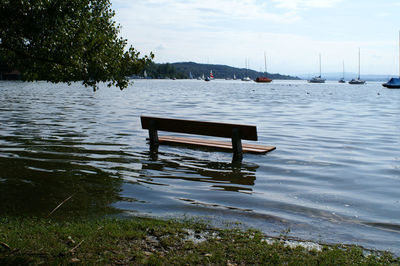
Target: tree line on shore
[{"x": 185, "y": 70}]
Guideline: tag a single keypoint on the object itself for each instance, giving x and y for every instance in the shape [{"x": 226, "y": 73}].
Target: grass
[{"x": 150, "y": 241}]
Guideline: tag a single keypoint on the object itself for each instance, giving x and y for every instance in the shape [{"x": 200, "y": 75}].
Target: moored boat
[
  {"x": 357, "y": 81},
  {"x": 394, "y": 83},
  {"x": 342, "y": 79},
  {"x": 264, "y": 79},
  {"x": 318, "y": 79},
  {"x": 246, "y": 78}
]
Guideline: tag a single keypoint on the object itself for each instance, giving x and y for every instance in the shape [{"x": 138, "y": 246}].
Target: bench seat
[{"x": 225, "y": 145}]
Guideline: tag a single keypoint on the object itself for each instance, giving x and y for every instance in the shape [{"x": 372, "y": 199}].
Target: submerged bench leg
[
  {"x": 153, "y": 136},
  {"x": 236, "y": 145}
]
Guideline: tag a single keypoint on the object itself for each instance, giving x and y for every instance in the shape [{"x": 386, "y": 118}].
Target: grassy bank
[{"x": 149, "y": 241}]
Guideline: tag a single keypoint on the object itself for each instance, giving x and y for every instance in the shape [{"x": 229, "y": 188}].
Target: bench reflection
[{"x": 236, "y": 176}]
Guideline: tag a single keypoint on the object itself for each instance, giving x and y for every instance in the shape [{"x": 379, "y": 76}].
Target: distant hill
[{"x": 222, "y": 71}]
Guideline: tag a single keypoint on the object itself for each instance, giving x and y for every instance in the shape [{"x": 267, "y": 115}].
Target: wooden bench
[{"x": 234, "y": 131}]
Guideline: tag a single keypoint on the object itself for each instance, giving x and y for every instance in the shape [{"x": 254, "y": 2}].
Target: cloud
[
  {"x": 161, "y": 47},
  {"x": 197, "y": 13},
  {"x": 228, "y": 31},
  {"x": 304, "y": 4},
  {"x": 150, "y": 22}
]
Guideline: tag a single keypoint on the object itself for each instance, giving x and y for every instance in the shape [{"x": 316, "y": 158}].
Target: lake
[{"x": 334, "y": 176}]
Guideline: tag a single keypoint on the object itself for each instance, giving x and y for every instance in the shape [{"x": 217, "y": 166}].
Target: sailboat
[
  {"x": 246, "y": 78},
  {"x": 264, "y": 79},
  {"x": 318, "y": 79},
  {"x": 394, "y": 83},
  {"x": 342, "y": 79},
  {"x": 357, "y": 81},
  {"x": 210, "y": 77}
]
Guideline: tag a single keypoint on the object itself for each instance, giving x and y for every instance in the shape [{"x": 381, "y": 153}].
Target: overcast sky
[{"x": 292, "y": 33}]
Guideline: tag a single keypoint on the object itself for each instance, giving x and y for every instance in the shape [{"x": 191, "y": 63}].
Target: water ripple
[{"x": 335, "y": 172}]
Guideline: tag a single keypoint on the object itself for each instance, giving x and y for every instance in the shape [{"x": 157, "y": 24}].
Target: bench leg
[
  {"x": 153, "y": 136},
  {"x": 236, "y": 145}
]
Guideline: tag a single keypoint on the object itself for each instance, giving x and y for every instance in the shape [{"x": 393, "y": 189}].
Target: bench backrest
[{"x": 199, "y": 127}]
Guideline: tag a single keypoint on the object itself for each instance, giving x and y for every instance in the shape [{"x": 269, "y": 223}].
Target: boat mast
[
  {"x": 265, "y": 63},
  {"x": 359, "y": 62},
  {"x": 343, "y": 69},
  {"x": 319, "y": 65},
  {"x": 245, "y": 61}
]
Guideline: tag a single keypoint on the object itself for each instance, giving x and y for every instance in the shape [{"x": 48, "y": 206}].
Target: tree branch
[{"x": 23, "y": 54}]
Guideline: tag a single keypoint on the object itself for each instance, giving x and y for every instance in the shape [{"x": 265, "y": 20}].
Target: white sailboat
[
  {"x": 342, "y": 79},
  {"x": 318, "y": 79},
  {"x": 246, "y": 78},
  {"x": 357, "y": 81}
]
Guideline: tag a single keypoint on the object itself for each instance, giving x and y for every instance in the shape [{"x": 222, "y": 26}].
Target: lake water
[{"x": 334, "y": 176}]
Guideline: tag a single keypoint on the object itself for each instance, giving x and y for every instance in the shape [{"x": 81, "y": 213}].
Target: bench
[{"x": 234, "y": 131}]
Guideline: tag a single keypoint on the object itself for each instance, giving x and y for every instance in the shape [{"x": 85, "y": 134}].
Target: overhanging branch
[{"x": 23, "y": 54}]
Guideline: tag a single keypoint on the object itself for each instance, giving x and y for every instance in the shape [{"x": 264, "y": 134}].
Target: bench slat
[
  {"x": 246, "y": 132},
  {"x": 249, "y": 148}
]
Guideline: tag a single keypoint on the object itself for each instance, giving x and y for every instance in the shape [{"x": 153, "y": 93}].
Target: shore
[{"x": 151, "y": 241}]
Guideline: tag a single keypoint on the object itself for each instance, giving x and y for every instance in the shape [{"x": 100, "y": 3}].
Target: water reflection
[
  {"x": 335, "y": 174},
  {"x": 236, "y": 176},
  {"x": 38, "y": 174}
]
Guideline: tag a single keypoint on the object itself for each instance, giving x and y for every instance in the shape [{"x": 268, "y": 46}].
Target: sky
[{"x": 292, "y": 33}]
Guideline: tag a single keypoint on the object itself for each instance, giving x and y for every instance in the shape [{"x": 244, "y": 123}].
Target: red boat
[{"x": 263, "y": 79}]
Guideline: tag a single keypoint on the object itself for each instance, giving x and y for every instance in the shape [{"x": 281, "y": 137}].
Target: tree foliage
[
  {"x": 164, "y": 71},
  {"x": 66, "y": 41},
  {"x": 223, "y": 71}
]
